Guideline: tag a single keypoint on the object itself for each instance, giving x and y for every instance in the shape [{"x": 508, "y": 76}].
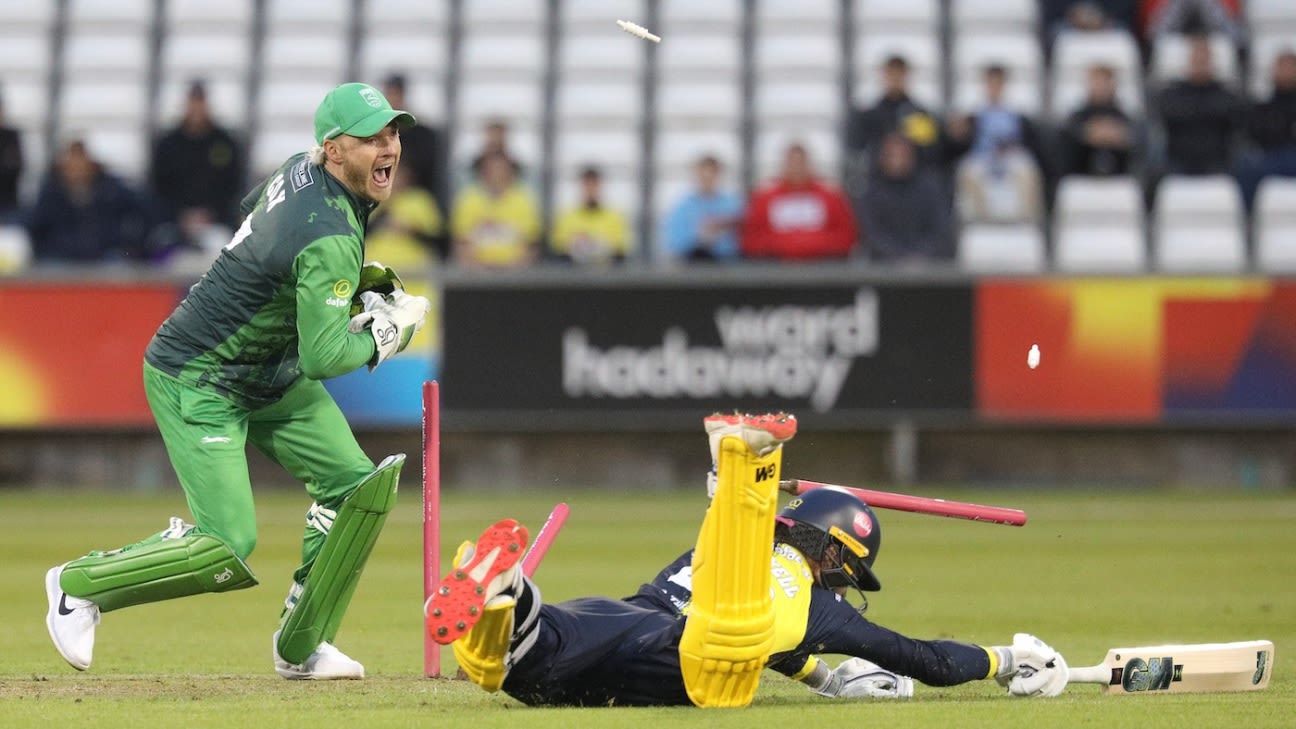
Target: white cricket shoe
[
  {"x": 71, "y": 622},
  {"x": 327, "y": 663}
]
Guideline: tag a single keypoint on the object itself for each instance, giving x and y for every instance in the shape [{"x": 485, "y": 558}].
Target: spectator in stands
[
  {"x": 1086, "y": 16},
  {"x": 11, "y": 168},
  {"x": 703, "y": 224},
  {"x": 85, "y": 214},
  {"x": 403, "y": 231},
  {"x": 1201, "y": 117},
  {"x": 495, "y": 139},
  {"x": 1099, "y": 137},
  {"x": 591, "y": 233},
  {"x": 904, "y": 212},
  {"x": 1172, "y": 17},
  {"x": 895, "y": 111},
  {"x": 423, "y": 154},
  {"x": 1057, "y": 16},
  {"x": 496, "y": 221},
  {"x": 1271, "y": 127},
  {"x": 797, "y": 216},
  {"x": 1001, "y": 178},
  {"x": 197, "y": 174}
]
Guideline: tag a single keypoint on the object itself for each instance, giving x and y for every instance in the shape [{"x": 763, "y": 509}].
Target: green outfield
[{"x": 1092, "y": 570}]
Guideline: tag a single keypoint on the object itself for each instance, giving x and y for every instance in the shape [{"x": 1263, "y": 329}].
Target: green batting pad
[
  {"x": 336, "y": 572},
  {"x": 155, "y": 571}
]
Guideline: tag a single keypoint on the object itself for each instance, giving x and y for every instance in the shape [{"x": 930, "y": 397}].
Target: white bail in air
[{"x": 1033, "y": 357}]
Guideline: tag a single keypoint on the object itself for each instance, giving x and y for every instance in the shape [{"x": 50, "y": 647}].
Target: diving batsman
[
  {"x": 286, "y": 304},
  {"x": 762, "y": 588}
]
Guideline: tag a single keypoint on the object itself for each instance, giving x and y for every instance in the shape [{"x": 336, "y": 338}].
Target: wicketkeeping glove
[
  {"x": 377, "y": 278},
  {"x": 393, "y": 321}
]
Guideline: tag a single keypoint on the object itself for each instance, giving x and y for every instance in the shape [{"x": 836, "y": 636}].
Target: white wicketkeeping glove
[
  {"x": 393, "y": 321},
  {"x": 1035, "y": 669}
]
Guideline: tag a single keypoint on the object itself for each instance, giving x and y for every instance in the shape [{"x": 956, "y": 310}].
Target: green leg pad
[
  {"x": 155, "y": 571},
  {"x": 336, "y": 572}
]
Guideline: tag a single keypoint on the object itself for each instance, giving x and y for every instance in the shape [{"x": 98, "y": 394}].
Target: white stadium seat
[
  {"x": 210, "y": 16},
  {"x": 704, "y": 104},
  {"x": 288, "y": 14},
  {"x": 701, "y": 57},
  {"x": 699, "y": 15},
  {"x": 116, "y": 14},
  {"x": 315, "y": 56},
  {"x": 1275, "y": 225},
  {"x": 796, "y": 56},
  {"x": 598, "y": 104},
  {"x": 607, "y": 56},
  {"x": 503, "y": 55},
  {"x": 420, "y": 56},
  {"x": 1016, "y": 248},
  {"x": 102, "y": 55},
  {"x": 1270, "y": 16},
  {"x": 897, "y": 16},
  {"x": 501, "y": 14},
  {"x": 597, "y": 16},
  {"x": 1098, "y": 226},
  {"x": 1100, "y": 249},
  {"x": 980, "y": 16},
  {"x": 416, "y": 15},
  {"x": 1199, "y": 225}
]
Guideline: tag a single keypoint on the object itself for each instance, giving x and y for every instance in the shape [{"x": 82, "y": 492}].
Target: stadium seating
[
  {"x": 1013, "y": 248},
  {"x": 1275, "y": 225},
  {"x": 575, "y": 91},
  {"x": 1199, "y": 225},
  {"x": 1098, "y": 226}
]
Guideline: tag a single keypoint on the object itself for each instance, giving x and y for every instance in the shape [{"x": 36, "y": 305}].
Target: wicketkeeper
[
  {"x": 707, "y": 626},
  {"x": 285, "y": 305}
]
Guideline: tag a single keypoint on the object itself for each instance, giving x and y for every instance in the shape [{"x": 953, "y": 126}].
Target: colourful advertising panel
[
  {"x": 71, "y": 354},
  {"x": 1136, "y": 350}
]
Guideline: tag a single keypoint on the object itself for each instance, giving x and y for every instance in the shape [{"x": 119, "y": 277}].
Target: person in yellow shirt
[
  {"x": 404, "y": 230},
  {"x": 495, "y": 222},
  {"x": 591, "y": 233}
]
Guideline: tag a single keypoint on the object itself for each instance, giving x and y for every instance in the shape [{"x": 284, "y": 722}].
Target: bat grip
[{"x": 1100, "y": 674}]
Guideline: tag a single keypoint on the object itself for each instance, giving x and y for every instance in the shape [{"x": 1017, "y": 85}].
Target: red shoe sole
[{"x": 456, "y": 605}]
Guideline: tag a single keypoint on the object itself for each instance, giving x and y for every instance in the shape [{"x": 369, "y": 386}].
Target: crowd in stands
[{"x": 913, "y": 176}]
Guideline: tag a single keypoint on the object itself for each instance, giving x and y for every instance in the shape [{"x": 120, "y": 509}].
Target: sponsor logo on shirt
[
  {"x": 301, "y": 177},
  {"x": 341, "y": 294}
]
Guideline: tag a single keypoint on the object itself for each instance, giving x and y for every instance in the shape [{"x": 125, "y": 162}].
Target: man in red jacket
[{"x": 796, "y": 216}]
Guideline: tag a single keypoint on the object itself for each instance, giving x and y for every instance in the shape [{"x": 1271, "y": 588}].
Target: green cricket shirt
[{"x": 275, "y": 303}]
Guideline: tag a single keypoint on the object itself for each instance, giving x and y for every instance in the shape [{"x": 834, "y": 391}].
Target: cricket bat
[{"x": 1199, "y": 668}]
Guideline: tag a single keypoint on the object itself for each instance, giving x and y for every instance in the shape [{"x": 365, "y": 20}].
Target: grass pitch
[{"x": 1091, "y": 570}]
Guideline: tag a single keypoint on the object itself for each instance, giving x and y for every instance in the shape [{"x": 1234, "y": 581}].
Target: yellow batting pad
[
  {"x": 729, "y": 635},
  {"x": 482, "y": 651}
]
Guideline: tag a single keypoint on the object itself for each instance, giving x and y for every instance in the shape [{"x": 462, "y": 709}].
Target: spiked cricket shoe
[{"x": 489, "y": 568}]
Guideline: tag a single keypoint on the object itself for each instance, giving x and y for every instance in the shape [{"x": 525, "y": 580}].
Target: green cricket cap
[{"x": 357, "y": 109}]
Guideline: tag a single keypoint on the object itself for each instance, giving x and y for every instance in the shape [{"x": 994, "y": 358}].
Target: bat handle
[
  {"x": 1100, "y": 674},
  {"x": 790, "y": 486}
]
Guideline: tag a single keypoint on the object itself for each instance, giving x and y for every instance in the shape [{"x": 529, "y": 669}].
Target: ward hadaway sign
[{"x": 653, "y": 351}]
